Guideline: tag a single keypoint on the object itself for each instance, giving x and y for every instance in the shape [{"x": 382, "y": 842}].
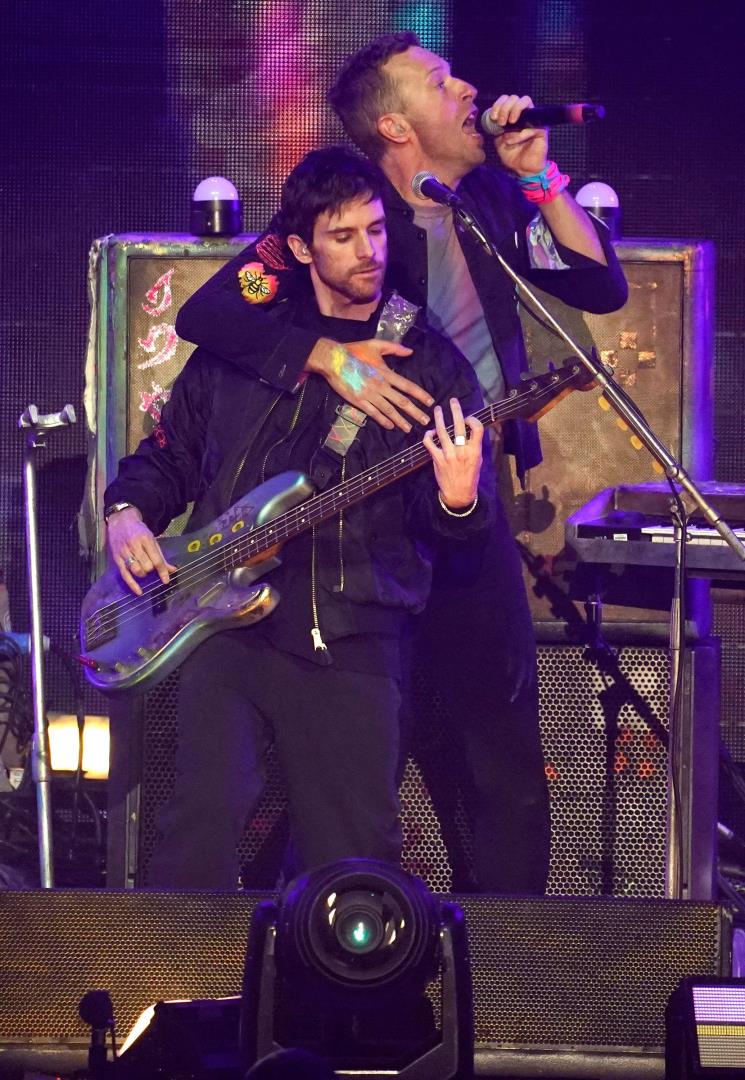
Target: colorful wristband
[{"x": 545, "y": 186}]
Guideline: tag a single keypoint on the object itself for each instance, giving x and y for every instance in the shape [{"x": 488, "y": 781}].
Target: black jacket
[
  {"x": 257, "y": 335},
  {"x": 218, "y": 439}
]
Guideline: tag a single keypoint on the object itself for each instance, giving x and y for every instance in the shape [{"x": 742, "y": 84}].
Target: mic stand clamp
[
  {"x": 623, "y": 405},
  {"x": 36, "y": 426}
]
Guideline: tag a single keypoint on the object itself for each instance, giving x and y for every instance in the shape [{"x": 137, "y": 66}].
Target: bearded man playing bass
[{"x": 320, "y": 676}]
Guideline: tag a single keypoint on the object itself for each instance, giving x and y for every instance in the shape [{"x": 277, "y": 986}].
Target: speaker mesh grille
[
  {"x": 604, "y": 739},
  {"x": 729, "y": 623},
  {"x": 546, "y": 972},
  {"x": 583, "y": 972},
  {"x": 140, "y": 946}
]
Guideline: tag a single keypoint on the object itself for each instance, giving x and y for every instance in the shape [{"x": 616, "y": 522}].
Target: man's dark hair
[
  {"x": 323, "y": 182},
  {"x": 363, "y": 92}
]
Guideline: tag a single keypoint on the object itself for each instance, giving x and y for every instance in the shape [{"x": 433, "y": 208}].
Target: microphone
[
  {"x": 427, "y": 186},
  {"x": 545, "y": 116},
  {"x": 96, "y": 1010}
]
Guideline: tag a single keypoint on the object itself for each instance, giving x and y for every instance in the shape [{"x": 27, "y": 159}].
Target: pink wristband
[{"x": 545, "y": 186}]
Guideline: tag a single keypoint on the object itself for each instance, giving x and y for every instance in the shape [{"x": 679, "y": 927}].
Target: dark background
[{"x": 113, "y": 111}]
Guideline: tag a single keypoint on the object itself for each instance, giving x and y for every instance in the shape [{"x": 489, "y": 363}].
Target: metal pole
[
  {"x": 677, "y": 868},
  {"x": 37, "y": 427}
]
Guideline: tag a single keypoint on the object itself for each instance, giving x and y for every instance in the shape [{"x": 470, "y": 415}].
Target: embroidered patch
[
  {"x": 269, "y": 248},
  {"x": 160, "y": 436},
  {"x": 257, "y": 286}
]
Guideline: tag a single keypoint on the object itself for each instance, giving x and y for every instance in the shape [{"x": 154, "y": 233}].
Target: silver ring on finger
[
  {"x": 130, "y": 560},
  {"x": 459, "y": 440}
]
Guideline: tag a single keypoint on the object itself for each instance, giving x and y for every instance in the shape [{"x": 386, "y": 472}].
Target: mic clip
[{"x": 470, "y": 224}]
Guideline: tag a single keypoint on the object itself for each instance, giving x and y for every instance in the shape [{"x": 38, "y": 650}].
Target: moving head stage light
[{"x": 362, "y": 965}]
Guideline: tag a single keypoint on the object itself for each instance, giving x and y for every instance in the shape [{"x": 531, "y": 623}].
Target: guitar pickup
[{"x": 162, "y": 594}]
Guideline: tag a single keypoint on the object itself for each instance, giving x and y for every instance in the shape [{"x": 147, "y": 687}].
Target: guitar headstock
[{"x": 539, "y": 393}]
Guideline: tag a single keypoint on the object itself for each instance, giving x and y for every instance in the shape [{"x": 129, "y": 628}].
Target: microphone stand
[
  {"x": 675, "y": 885},
  {"x": 36, "y": 427}
]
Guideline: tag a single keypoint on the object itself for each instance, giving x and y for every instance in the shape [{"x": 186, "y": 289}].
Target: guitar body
[{"x": 129, "y": 643}]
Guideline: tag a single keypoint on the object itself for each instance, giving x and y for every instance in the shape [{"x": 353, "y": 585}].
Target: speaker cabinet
[
  {"x": 562, "y": 987},
  {"x": 605, "y": 736},
  {"x": 659, "y": 348}
]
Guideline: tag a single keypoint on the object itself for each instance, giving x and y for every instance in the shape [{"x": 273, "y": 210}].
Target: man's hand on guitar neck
[
  {"x": 456, "y": 460},
  {"x": 134, "y": 549},
  {"x": 358, "y": 373}
]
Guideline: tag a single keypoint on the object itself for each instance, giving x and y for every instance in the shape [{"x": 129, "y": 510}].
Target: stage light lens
[
  {"x": 360, "y": 932},
  {"x": 357, "y": 923}
]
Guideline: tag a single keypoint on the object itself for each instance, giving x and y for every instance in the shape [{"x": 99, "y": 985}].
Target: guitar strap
[{"x": 396, "y": 318}]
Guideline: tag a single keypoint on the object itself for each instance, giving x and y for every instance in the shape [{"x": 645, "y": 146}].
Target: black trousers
[
  {"x": 476, "y": 642},
  {"x": 337, "y": 738}
]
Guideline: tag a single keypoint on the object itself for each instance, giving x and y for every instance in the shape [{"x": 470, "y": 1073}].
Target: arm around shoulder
[{"x": 241, "y": 314}]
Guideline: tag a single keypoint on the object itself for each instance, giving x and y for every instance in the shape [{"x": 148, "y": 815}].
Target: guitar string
[
  {"x": 251, "y": 538},
  {"x": 389, "y": 469},
  {"x": 385, "y": 473}
]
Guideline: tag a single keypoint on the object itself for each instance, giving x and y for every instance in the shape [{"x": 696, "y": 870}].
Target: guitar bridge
[{"x": 100, "y": 627}]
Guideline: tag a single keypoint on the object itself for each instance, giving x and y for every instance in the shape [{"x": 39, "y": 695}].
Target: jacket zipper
[
  {"x": 319, "y": 645},
  {"x": 244, "y": 455}
]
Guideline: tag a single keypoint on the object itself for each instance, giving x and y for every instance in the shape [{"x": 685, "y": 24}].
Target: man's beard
[{"x": 363, "y": 290}]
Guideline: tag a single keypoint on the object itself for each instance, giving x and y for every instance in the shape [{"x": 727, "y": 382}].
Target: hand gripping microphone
[{"x": 545, "y": 116}]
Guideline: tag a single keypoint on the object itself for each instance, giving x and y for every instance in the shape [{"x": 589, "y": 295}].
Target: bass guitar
[{"x": 130, "y": 643}]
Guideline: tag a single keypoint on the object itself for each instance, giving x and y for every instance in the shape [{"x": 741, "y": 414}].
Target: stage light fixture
[
  {"x": 602, "y": 201},
  {"x": 358, "y": 962},
  {"x": 64, "y": 744},
  {"x": 183, "y": 1040},
  {"x": 216, "y": 208},
  {"x": 705, "y": 1030}
]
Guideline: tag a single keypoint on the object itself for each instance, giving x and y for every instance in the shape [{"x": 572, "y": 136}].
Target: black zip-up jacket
[
  {"x": 258, "y": 336},
  {"x": 218, "y": 439}
]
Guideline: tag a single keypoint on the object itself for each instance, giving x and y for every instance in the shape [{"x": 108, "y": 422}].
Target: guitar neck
[{"x": 535, "y": 398}]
